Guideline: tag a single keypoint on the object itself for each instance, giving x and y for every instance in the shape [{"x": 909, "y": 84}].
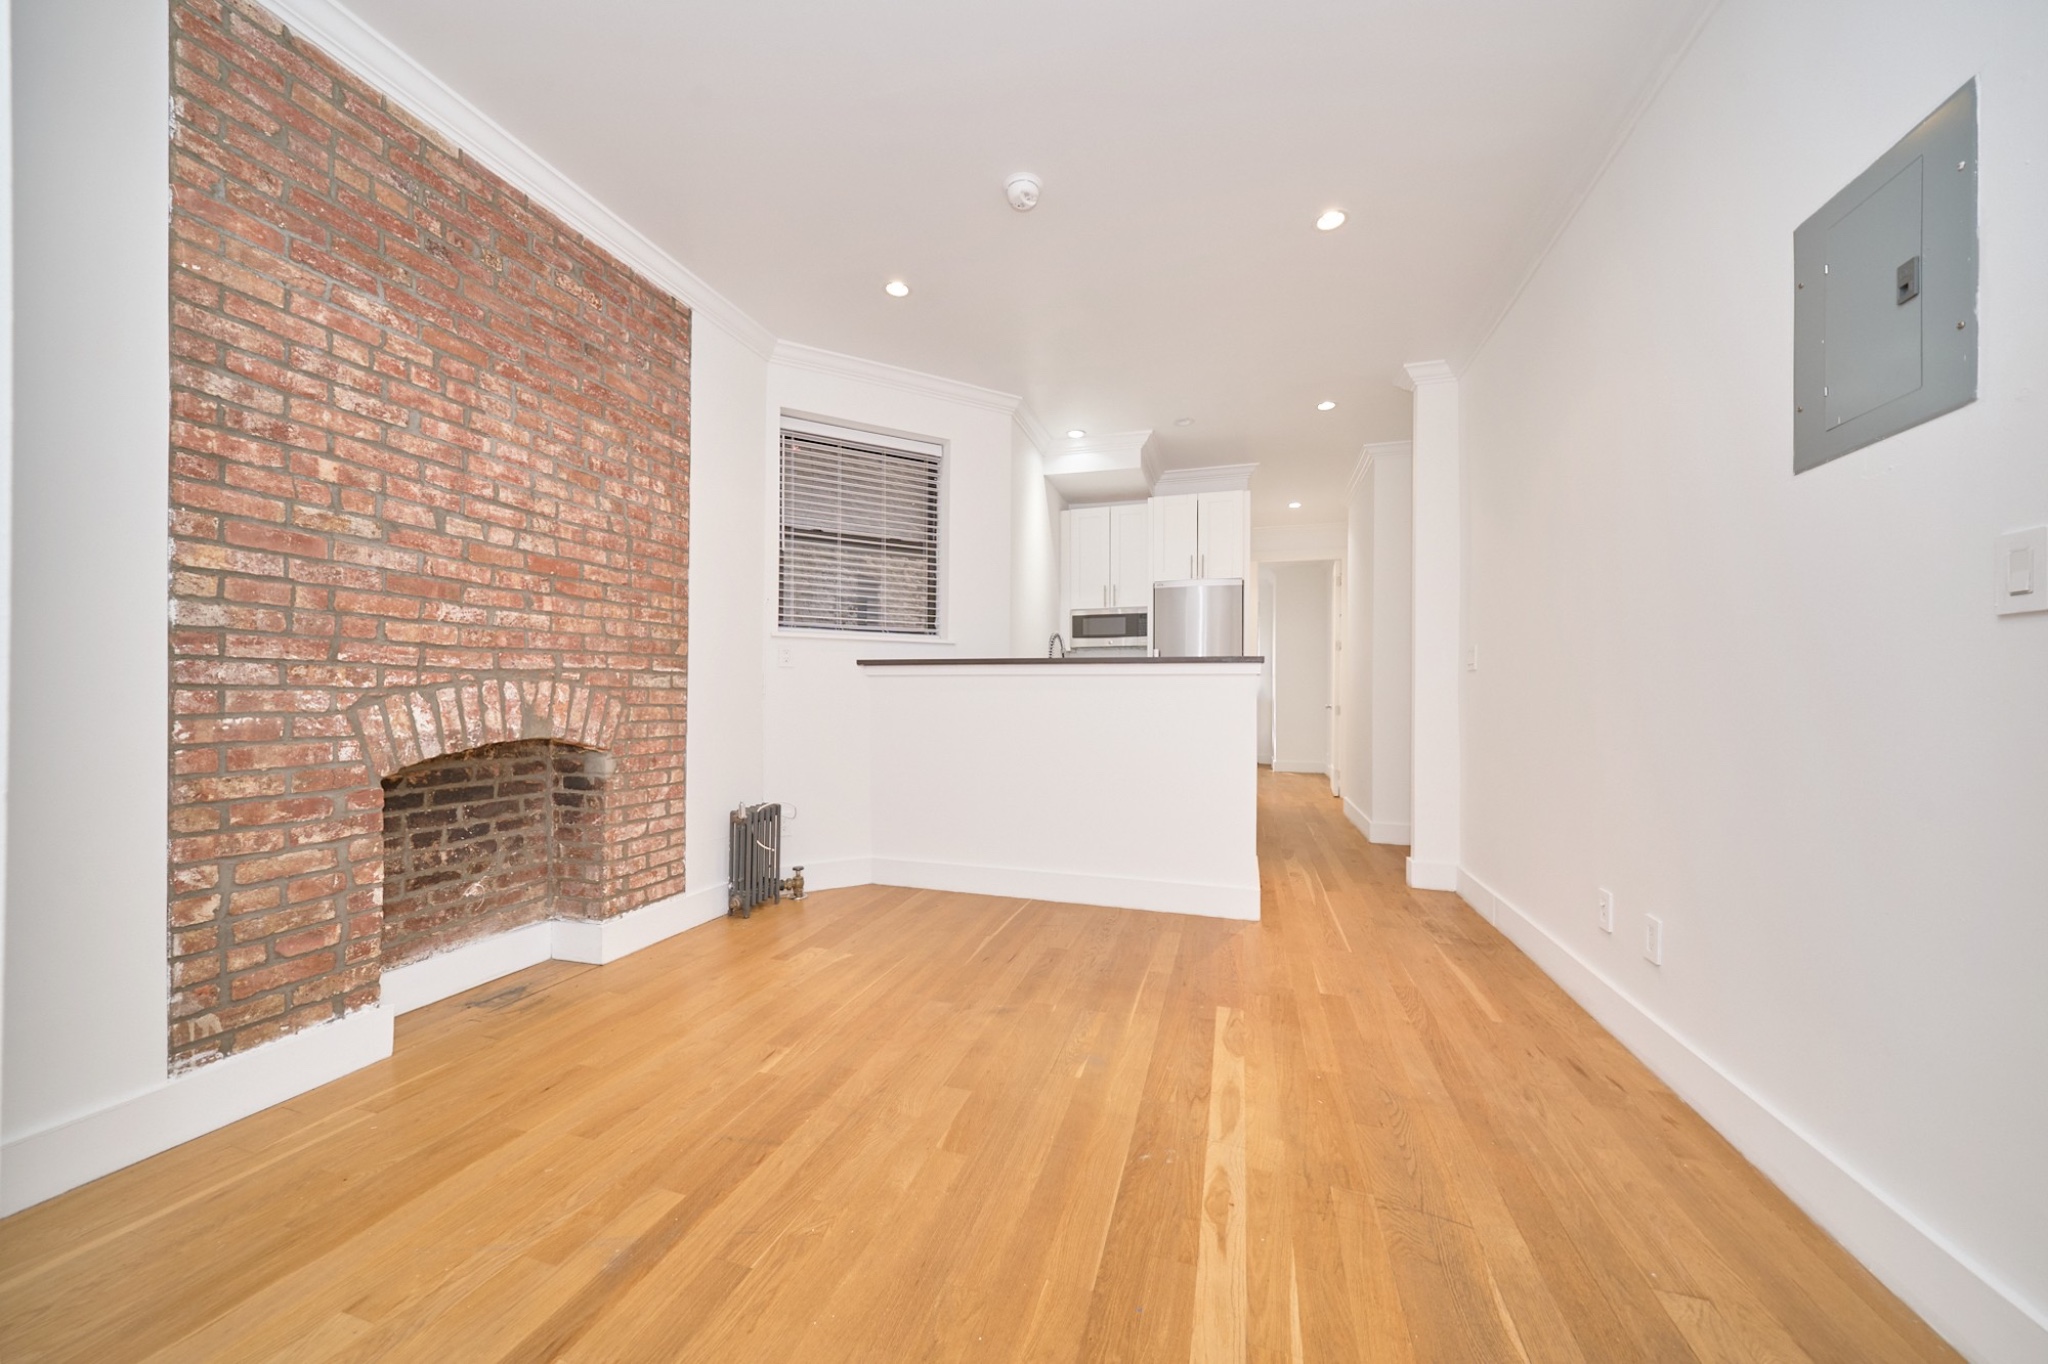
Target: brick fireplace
[{"x": 429, "y": 507}]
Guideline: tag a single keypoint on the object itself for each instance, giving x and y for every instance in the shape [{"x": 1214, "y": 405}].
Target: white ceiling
[{"x": 797, "y": 154}]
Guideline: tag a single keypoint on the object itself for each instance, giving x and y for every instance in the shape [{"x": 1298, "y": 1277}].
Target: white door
[
  {"x": 1224, "y": 550},
  {"x": 1174, "y": 548},
  {"x": 1130, "y": 557},
  {"x": 1088, "y": 558}
]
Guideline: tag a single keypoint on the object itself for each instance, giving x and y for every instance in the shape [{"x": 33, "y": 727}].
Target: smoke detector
[{"x": 1022, "y": 191}]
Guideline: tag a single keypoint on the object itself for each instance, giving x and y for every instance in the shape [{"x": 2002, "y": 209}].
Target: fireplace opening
[{"x": 490, "y": 839}]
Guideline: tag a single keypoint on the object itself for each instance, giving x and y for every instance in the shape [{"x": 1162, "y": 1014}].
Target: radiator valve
[{"x": 794, "y": 886}]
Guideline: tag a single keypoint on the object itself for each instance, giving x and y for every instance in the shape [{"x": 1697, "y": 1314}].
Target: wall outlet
[
  {"x": 1472, "y": 659},
  {"x": 785, "y": 657},
  {"x": 1606, "y": 911},
  {"x": 1653, "y": 940}
]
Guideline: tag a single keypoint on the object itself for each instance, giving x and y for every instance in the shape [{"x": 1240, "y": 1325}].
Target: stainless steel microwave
[{"x": 1110, "y": 629}]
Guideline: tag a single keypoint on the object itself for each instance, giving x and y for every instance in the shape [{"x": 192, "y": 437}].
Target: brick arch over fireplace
[
  {"x": 429, "y": 493},
  {"x": 405, "y": 727}
]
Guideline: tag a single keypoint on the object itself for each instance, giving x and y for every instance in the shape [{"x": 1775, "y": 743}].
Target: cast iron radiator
[{"x": 756, "y": 861}]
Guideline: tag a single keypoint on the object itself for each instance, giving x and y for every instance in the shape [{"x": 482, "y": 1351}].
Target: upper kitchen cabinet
[
  {"x": 1103, "y": 557},
  {"x": 1223, "y": 534},
  {"x": 1175, "y": 543},
  {"x": 1084, "y": 533},
  {"x": 1201, "y": 535},
  {"x": 1130, "y": 542}
]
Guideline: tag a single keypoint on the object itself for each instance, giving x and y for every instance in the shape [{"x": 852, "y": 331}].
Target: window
[{"x": 860, "y": 532}]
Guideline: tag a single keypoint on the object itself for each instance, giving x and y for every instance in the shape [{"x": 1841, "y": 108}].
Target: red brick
[{"x": 396, "y": 469}]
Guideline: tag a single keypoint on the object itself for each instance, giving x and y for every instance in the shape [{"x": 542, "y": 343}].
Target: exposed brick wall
[
  {"x": 429, "y": 490},
  {"x": 489, "y": 839}
]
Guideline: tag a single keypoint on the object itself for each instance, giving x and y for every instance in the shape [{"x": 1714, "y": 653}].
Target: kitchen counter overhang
[{"x": 1130, "y": 782}]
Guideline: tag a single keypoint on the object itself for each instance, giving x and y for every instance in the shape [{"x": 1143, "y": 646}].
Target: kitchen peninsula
[{"x": 1130, "y": 782}]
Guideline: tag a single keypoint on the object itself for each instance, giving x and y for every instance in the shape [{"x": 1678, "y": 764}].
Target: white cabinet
[
  {"x": 1201, "y": 535},
  {"x": 1223, "y": 526},
  {"x": 1174, "y": 542},
  {"x": 1130, "y": 581},
  {"x": 1088, "y": 561},
  {"x": 1103, "y": 559}
]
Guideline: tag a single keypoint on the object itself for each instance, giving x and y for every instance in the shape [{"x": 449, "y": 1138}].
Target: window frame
[{"x": 832, "y": 428}]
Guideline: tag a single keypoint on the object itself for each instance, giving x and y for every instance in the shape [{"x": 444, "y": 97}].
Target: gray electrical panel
[{"x": 1884, "y": 305}]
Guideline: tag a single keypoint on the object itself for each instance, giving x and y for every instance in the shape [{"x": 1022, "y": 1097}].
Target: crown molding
[
  {"x": 1033, "y": 430},
  {"x": 1424, "y": 372},
  {"x": 1646, "y": 96},
  {"x": 853, "y": 367},
  {"x": 1372, "y": 454},
  {"x": 1208, "y": 478},
  {"x": 370, "y": 55}
]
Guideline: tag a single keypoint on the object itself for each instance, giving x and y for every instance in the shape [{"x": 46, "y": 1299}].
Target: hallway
[{"x": 891, "y": 1125}]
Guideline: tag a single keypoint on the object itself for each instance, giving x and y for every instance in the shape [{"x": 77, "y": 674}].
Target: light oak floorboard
[{"x": 897, "y": 1125}]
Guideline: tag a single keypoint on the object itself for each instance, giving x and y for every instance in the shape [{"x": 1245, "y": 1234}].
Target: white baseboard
[
  {"x": 1432, "y": 875},
  {"x": 43, "y": 1164},
  {"x": 420, "y": 983},
  {"x": 1318, "y": 769},
  {"x": 1119, "y": 892},
  {"x": 1957, "y": 1297},
  {"x": 1376, "y": 830},
  {"x": 1484, "y": 901},
  {"x": 604, "y": 940},
  {"x": 40, "y": 1165},
  {"x": 835, "y": 873}
]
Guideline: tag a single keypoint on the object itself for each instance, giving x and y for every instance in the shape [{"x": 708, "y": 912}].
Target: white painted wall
[
  {"x": 1377, "y": 676},
  {"x": 1301, "y": 667},
  {"x": 1355, "y": 675},
  {"x": 728, "y": 437},
  {"x": 1035, "y": 507},
  {"x": 1778, "y": 712},
  {"x": 1262, "y": 605},
  {"x": 85, "y": 992},
  {"x": 1437, "y": 559},
  {"x": 1129, "y": 784},
  {"x": 817, "y": 716},
  {"x": 1316, "y": 540},
  {"x": 6, "y": 483}
]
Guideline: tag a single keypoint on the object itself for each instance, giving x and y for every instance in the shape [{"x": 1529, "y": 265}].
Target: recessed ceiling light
[
  {"x": 1076, "y": 434},
  {"x": 1183, "y": 421},
  {"x": 1294, "y": 506},
  {"x": 1332, "y": 219},
  {"x": 896, "y": 288},
  {"x": 1325, "y": 405}
]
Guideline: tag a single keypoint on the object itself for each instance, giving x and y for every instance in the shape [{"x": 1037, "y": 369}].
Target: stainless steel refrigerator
[{"x": 1198, "y": 618}]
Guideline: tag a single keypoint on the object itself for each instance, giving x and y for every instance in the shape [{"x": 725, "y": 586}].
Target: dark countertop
[{"x": 1070, "y": 659}]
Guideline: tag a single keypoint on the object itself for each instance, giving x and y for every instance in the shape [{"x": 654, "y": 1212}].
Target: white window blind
[{"x": 860, "y": 534}]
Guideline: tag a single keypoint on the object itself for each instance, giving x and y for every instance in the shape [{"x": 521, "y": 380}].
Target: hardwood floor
[{"x": 889, "y": 1125}]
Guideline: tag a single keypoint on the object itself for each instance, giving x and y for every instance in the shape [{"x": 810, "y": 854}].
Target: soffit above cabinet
[{"x": 1113, "y": 468}]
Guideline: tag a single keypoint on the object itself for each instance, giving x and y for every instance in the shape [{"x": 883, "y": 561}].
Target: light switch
[{"x": 2021, "y": 579}]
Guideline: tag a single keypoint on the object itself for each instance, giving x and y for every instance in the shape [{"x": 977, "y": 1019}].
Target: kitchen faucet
[{"x": 1055, "y": 647}]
